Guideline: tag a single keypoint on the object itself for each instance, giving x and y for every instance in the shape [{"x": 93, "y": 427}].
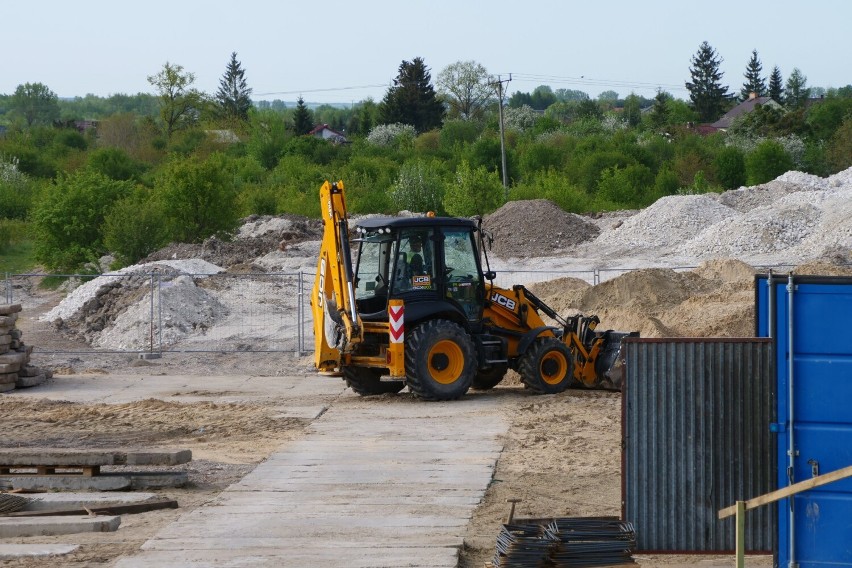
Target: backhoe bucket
[{"x": 609, "y": 365}]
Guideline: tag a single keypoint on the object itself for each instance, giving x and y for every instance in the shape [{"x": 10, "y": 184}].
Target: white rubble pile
[
  {"x": 71, "y": 306},
  {"x": 265, "y": 226},
  {"x": 669, "y": 221},
  {"x": 184, "y": 309}
]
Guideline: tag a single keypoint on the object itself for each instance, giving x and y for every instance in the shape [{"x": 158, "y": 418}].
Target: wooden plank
[{"x": 789, "y": 490}]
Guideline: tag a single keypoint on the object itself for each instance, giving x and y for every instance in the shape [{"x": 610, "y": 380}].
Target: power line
[
  {"x": 592, "y": 82},
  {"x": 327, "y": 90}
]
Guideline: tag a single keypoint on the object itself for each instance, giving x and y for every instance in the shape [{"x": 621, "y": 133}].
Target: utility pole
[{"x": 499, "y": 84}]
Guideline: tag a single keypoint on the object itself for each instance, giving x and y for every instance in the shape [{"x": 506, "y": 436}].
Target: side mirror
[{"x": 490, "y": 275}]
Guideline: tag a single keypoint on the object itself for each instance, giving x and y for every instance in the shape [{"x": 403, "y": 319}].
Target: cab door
[{"x": 461, "y": 273}]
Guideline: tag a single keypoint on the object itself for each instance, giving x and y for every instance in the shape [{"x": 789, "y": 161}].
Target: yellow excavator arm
[{"x": 337, "y": 327}]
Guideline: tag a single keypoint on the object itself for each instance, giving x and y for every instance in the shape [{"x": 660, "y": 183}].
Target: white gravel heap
[
  {"x": 71, "y": 306},
  {"x": 265, "y": 225},
  {"x": 668, "y": 222},
  {"x": 184, "y": 309}
]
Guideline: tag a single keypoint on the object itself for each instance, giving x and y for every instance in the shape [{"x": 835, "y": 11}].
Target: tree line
[{"x": 182, "y": 165}]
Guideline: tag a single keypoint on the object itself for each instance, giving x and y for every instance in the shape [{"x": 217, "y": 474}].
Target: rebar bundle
[{"x": 565, "y": 542}]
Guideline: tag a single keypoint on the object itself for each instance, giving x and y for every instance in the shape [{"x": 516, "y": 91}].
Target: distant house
[
  {"x": 326, "y": 133},
  {"x": 743, "y": 108}
]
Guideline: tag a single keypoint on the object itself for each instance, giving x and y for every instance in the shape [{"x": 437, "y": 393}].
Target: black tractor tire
[
  {"x": 491, "y": 377},
  {"x": 547, "y": 367},
  {"x": 440, "y": 360},
  {"x": 365, "y": 381}
]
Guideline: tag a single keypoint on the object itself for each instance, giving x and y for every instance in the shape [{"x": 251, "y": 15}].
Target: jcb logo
[
  {"x": 422, "y": 279},
  {"x": 502, "y": 300},
  {"x": 321, "y": 288}
]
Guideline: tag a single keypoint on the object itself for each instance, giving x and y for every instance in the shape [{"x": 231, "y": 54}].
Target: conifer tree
[
  {"x": 412, "y": 99},
  {"x": 234, "y": 96},
  {"x": 796, "y": 91},
  {"x": 659, "y": 116},
  {"x": 776, "y": 86},
  {"x": 303, "y": 120},
  {"x": 754, "y": 82},
  {"x": 709, "y": 97}
]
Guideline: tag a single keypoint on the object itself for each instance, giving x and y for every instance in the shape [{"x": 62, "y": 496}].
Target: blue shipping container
[{"x": 810, "y": 319}]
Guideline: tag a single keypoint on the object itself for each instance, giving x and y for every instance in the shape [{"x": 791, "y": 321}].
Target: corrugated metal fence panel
[{"x": 696, "y": 431}]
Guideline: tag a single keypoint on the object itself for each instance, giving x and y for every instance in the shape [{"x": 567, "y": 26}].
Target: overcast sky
[{"x": 346, "y": 51}]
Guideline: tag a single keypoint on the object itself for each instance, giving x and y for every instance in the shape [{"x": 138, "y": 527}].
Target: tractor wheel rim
[
  {"x": 446, "y": 361},
  {"x": 553, "y": 368}
]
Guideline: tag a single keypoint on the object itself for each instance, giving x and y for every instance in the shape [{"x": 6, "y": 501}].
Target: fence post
[
  {"x": 300, "y": 313},
  {"x": 159, "y": 313},
  {"x": 8, "y": 290},
  {"x": 151, "y": 319},
  {"x": 740, "y": 538}
]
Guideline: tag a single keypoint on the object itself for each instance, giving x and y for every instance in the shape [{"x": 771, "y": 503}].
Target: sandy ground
[{"x": 561, "y": 456}]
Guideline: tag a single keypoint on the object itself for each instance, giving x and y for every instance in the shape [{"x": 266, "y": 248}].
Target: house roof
[
  {"x": 323, "y": 128},
  {"x": 744, "y": 107}
]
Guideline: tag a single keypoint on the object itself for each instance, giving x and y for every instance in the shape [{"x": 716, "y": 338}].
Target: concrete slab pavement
[
  {"x": 370, "y": 485},
  {"x": 51, "y": 526}
]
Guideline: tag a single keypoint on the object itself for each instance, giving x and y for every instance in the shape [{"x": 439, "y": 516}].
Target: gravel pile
[
  {"x": 537, "y": 227},
  {"x": 668, "y": 222}
]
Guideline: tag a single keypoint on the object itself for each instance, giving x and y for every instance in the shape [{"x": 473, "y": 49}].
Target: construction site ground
[{"x": 296, "y": 470}]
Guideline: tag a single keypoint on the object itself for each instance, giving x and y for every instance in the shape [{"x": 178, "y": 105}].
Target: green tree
[
  {"x": 839, "y": 149},
  {"x": 768, "y": 161},
  {"x": 632, "y": 110},
  {"x": 303, "y": 120},
  {"x": 708, "y": 95},
  {"x": 115, "y": 164},
  {"x": 180, "y": 104},
  {"x": 364, "y": 117},
  {"x": 135, "y": 227},
  {"x": 570, "y": 95},
  {"x": 419, "y": 187},
  {"x": 35, "y": 103},
  {"x": 473, "y": 191},
  {"x": 754, "y": 83},
  {"x": 199, "y": 196},
  {"x": 796, "y": 91},
  {"x": 268, "y": 134},
  {"x": 730, "y": 168},
  {"x": 659, "y": 115},
  {"x": 776, "y": 86},
  {"x": 234, "y": 95},
  {"x": 412, "y": 98},
  {"x": 16, "y": 190},
  {"x": 69, "y": 216},
  {"x": 466, "y": 87},
  {"x": 542, "y": 97}
]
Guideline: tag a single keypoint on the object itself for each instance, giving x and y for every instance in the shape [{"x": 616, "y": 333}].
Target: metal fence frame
[{"x": 299, "y": 341}]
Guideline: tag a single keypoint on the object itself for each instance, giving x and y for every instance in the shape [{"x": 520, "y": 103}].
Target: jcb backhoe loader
[{"x": 417, "y": 310}]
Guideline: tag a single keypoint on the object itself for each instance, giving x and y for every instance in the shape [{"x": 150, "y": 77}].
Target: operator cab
[{"x": 418, "y": 260}]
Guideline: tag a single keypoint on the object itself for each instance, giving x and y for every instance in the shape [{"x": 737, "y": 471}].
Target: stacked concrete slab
[{"x": 15, "y": 368}]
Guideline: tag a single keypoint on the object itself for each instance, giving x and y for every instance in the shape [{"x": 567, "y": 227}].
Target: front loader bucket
[{"x": 609, "y": 365}]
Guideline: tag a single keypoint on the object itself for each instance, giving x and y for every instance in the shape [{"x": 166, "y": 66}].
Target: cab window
[{"x": 415, "y": 261}]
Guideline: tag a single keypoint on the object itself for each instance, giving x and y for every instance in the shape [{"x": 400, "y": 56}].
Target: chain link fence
[{"x": 171, "y": 311}]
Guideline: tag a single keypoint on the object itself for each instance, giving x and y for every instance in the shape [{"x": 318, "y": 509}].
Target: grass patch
[{"x": 16, "y": 248}]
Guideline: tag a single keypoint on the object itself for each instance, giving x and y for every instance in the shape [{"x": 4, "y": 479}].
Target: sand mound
[
  {"x": 536, "y": 227},
  {"x": 725, "y": 270},
  {"x": 715, "y": 300}
]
